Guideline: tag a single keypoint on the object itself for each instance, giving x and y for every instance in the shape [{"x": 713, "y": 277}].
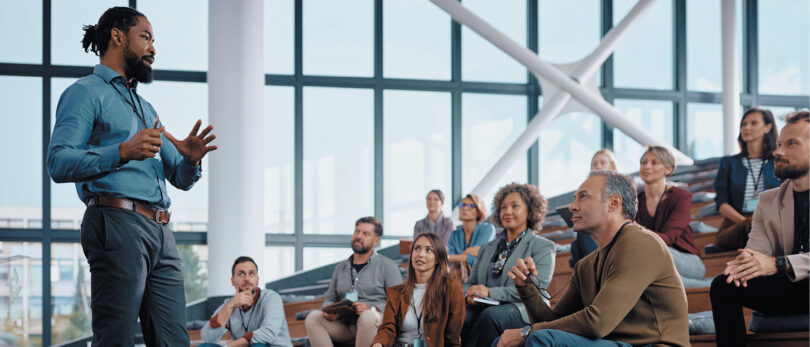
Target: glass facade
[{"x": 364, "y": 116}]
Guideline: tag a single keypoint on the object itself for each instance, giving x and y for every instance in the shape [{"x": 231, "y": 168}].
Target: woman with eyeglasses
[
  {"x": 520, "y": 210},
  {"x": 428, "y": 308},
  {"x": 473, "y": 232},
  {"x": 435, "y": 221}
]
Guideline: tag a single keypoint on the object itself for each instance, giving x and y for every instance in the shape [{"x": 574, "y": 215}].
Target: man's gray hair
[{"x": 622, "y": 185}]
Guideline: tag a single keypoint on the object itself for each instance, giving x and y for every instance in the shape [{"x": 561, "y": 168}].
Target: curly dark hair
[{"x": 537, "y": 204}]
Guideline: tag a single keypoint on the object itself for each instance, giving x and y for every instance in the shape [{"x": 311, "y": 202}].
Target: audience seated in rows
[
  {"x": 435, "y": 221},
  {"x": 361, "y": 279},
  {"x": 474, "y": 231},
  {"x": 742, "y": 177},
  {"x": 520, "y": 210},
  {"x": 666, "y": 210},
  {"x": 626, "y": 293},
  {"x": 428, "y": 308},
  {"x": 603, "y": 159},
  {"x": 771, "y": 274},
  {"x": 253, "y": 316}
]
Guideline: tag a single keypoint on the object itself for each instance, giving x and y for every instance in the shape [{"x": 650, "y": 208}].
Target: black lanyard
[
  {"x": 141, "y": 115},
  {"x": 245, "y": 326},
  {"x": 756, "y": 178},
  {"x": 418, "y": 320}
]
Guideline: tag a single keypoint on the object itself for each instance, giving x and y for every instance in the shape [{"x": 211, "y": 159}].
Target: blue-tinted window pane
[
  {"x": 704, "y": 45},
  {"x": 565, "y": 147},
  {"x": 643, "y": 58},
  {"x": 21, "y": 150},
  {"x": 278, "y": 160},
  {"x": 279, "y": 36},
  {"x": 70, "y": 293},
  {"x": 194, "y": 259},
  {"x": 784, "y": 47},
  {"x": 481, "y": 60},
  {"x": 490, "y": 124},
  {"x": 278, "y": 262},
  {"x": 653, "y": 116},
  {"x": 703, "y": 122},
  {"x": 569, "y": 30},
  {"x": 417, "y": 156},
  {"x": 66, "y": 29},
  {"x": 338, "y": 159},
  {"x": 413, "y": 50},
  {"x": 66, "y": 208},
  {"x": 22, "y": 23},
  {"x": 334, "y": 45},
  {"x": 21, "y": 295},
  {"x": 319, "y": 256},
  {"x": 180, "y": 105},
  {"x": 181, "y": 33}
]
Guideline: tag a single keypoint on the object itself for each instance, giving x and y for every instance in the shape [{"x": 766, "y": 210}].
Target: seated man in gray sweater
[
  {"x": 361, "y": 279},
  {"x": 254, "y": 316}
]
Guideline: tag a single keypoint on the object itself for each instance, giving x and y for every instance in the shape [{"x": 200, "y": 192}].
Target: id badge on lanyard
[
  {"x": 419, "y": 343},
  {"x": 352, "y": 294},
  {"x": 750, "y": 205}
]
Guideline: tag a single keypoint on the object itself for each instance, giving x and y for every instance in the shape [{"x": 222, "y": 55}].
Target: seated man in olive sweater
[
  {"x": 254, "y": 316},
  {"x": 626, "y": 292}
]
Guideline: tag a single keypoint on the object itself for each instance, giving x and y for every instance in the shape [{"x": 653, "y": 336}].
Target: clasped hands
[
  {"x": 359, "y": 308},
  {"x": 146, "y": 143},
  {"x": 748, "y": 265}
]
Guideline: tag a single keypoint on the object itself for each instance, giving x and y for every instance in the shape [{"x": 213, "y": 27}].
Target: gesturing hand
[
  {"x": 145, "y": 144},
  {"x": 194, "y": 147},
  {"x": 520, "y": 272}
]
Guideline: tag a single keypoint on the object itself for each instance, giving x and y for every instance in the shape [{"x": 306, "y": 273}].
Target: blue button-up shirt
[{"x": 92, "y": 119}]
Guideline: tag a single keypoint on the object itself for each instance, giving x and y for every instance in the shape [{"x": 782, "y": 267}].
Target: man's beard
[
  {"x": 359, "y": 248},
  {"x": 789, "y": 172},
  {"x": 136, "y": 67}
]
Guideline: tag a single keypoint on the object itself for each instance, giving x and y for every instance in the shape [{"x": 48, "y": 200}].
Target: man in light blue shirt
[{"x": 110, "y": 142}]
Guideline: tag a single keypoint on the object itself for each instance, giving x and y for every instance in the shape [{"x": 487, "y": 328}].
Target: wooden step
[
  {"x": 292, "y": 308},
  {"x": 798, "y": 338},
  {"x": 297, "y": 328}
]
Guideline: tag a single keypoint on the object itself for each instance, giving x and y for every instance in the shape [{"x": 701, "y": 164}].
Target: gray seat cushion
[
  {"x": 701, "y": 323},
  {"x": 776, "y": 324}
]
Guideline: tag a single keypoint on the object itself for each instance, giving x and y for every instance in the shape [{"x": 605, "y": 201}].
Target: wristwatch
[
  {"x": 525, "y": 331},
  {"x": 781, "y": 264}
]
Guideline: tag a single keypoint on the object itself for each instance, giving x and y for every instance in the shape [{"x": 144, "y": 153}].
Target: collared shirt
[
  {"x": 380, "y": 272},
  {"x": 94, "y": 115},
  {"x": 483, "y": 233}
]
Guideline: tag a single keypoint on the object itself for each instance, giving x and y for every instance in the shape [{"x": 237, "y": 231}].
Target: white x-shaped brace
[{"x": 569, "y": 86}]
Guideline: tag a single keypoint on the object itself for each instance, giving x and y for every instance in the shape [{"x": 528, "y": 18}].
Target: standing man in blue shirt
[{"x": 110, "y": 142}]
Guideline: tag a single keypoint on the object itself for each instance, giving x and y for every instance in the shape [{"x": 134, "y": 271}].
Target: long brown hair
[{"x": 437, "y": 284}]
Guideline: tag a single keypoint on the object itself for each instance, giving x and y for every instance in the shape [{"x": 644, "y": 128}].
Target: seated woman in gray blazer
[{"x": 519, "y": 209}]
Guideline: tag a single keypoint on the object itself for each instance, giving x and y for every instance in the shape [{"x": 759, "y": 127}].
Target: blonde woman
[{"x": 473, "y": 232}]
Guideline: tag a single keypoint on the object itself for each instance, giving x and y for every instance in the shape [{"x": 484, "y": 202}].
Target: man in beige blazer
[{"x": 771, "y": 274}]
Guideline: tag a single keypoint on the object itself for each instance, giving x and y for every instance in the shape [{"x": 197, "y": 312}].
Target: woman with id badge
[
  {"x": 428, "y": 308},
  {"x": 743, "y": 176}
]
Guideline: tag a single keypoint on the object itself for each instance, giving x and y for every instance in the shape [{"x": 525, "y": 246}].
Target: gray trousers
[
  {"x": 135, "y": 272},
  {"x": 691, "y": 269}
]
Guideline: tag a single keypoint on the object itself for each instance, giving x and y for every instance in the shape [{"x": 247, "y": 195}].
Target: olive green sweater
[{"x": 627, "y": 291}]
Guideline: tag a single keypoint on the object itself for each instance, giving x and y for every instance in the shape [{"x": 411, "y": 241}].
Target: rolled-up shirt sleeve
[{"x": 212, "y": 332}]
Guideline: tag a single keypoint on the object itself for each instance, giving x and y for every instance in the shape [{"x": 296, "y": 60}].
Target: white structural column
[
  {"x": 550, "y": 73},
  {"x": 236, "y": 108},
  {"x": 731, "y": 81}
]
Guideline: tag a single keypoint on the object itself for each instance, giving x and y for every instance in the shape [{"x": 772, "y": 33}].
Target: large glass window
[
  {"x": 568, "y": 30},
  {"x": 319, "y": 256},
  {"x": 784, "y": 47},
  {"x": 279, "y": 34},
  {"x": 481, "y": 60},
  {"x": 702, "y": 124},
  {"x": 653, "y": 116},
  {"x": 338, "y": 159},
  {"x": 278, "y": 160},
  {"x": 566, "y": 145},
  {"x": 66, "y": 29},
  {"x": 643, "y": 59},
  {"x": 489, "y": 125},
  {"x": 21, "y": 150},
  {"x": 279, "y": 261},
  {"x": 70, "y": 293},
  {"x": 195, "y": 271},
  {"x": 22, "y": 23},
  {"x": 704, "y": 70},
  {"x": 180, "y": 105},
  {"x": 334, "y": 45},
  {"x": 181, "y": 33},
  {"x": 416, "y": 42},
  {"x": 21, "y": 292},
  {"x": 417, "y": 152}
]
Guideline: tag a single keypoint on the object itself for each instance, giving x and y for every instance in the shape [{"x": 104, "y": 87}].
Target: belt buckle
[{"x": 158, "y": 213}]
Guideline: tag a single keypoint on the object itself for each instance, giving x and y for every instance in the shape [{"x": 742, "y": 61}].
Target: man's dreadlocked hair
[{"x": 97, "y": 37}]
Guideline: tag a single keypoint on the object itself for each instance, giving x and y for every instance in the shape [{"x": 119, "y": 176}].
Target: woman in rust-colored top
[
  {"x": 429, "y": 305},
  {"x": 665, "y": 209}
]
